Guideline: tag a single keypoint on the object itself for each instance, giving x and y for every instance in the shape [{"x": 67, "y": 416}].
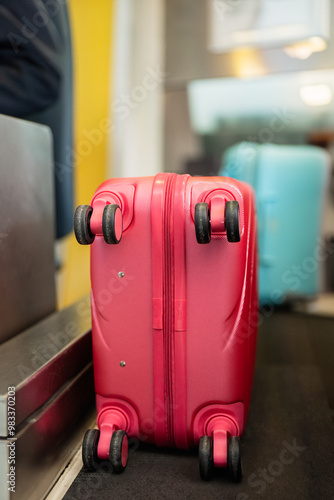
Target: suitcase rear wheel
[
  {"x": 89, "y": 449},
  {"x": 232, "y": 221},
  {"x": 112, "y": 224},
  {"x": 206, "y": 466},
  {"x": 82, "y": 230},
  {"x": 118, "y": 454},
  {"x": 202, "y": 223},
  {"x": 234, "y": 459}
]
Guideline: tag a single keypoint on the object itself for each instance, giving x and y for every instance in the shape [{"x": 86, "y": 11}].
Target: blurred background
[
  {"x": 181, "y": 81},
  {"x": 124, "y": 88}
]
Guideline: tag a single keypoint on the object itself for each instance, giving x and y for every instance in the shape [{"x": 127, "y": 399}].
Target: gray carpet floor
[{"x": 288, "y": 445}]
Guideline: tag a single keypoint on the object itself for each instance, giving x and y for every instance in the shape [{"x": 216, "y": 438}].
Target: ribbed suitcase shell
[
  {"x": 174, "y": 322},
  {"x": 289, "y": 184}
]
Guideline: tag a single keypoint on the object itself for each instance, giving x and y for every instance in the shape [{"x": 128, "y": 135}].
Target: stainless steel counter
[{"x": 50, "y": 367}]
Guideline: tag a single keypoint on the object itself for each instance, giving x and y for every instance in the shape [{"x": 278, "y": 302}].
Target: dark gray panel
[{"x": 27, "y": 286}]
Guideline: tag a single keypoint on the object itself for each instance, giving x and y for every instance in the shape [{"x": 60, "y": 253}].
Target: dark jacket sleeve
[{"x": 30, "y": 45}]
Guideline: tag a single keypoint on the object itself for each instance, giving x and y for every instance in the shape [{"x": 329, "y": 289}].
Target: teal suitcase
[{"x": 289, "y": 183}]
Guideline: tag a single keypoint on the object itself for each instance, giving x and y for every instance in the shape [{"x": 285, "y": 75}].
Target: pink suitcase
[{"x": 174, "y": 315}]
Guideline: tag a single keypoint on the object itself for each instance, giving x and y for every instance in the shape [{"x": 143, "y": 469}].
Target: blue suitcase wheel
[
  {"x": 206, "y": 466},
  {"x": 112, "y": 224},
  {"x": 82, "y": 230},
  {"x": 89, "y": 449},
  {"x": 232, "y": 221},
  {"x": 202, "y": 223},
  {"x": 118, "y": 453},
  {"x": 234, "y": 459}
]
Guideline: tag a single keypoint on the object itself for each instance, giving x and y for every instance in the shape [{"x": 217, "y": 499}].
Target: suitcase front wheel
[
  {"x": 206, "y": 458},
  {"x": 89, "y": 449},
  {"x": 118, "y": 455},
  {"x": 82, "y": 230},
  {"x": 232, "y": 221},
  {"x": 202, "y": 223},
  {"x": 234, "y": 459},
  {"x": 112, "y": 224}
]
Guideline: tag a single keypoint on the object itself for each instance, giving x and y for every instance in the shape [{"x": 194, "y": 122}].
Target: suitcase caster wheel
[
  {"x": 202, "y": 223},
  {"x": 118, "y": 454},
  {"x": 89, "y": 449},
  {"x": 112, "y": 224},
  {"x": 232, "y": 221},
  {"x": 234, "y": 459},
  {"x": 82, "y": 231},
  {"x": 206, "y": 466}
]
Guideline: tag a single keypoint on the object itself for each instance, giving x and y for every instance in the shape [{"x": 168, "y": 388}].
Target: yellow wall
[{"x": 92, "y": 26}]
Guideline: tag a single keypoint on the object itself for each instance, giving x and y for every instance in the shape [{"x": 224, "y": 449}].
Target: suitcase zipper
[{"x": 169, "y": 306}]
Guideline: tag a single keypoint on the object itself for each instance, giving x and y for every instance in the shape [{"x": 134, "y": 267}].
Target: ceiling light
[
  {"x": 303, "y": 50},
  {"x": 316, "y": 95},
  {"x": 247, "y": 63}
]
